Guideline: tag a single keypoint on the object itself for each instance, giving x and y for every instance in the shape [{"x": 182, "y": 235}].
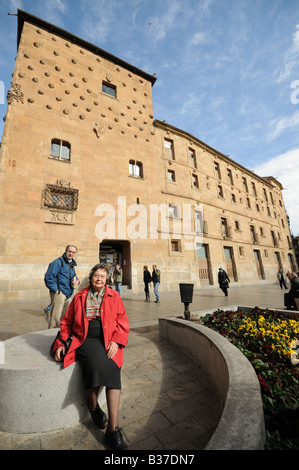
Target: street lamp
[{"x": 186, "y": 291}]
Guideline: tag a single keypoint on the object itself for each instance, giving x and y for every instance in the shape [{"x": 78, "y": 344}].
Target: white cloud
[
  {"x": 285, "y": 168},
  {"x": 161, "y": 25},
  {"x": 197, "y": 38},
  {"x": 291, "y": 57},
  {"x": 97, "y": 19},
  {"x": 281, "y": 125}
]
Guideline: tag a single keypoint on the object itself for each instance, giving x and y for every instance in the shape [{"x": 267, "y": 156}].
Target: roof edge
[{"x": 23, "y": 17}]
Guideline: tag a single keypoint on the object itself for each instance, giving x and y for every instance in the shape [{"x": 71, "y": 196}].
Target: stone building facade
[{"x": 84, "y": 162}]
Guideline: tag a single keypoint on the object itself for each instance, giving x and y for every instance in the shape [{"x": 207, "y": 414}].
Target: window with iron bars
[{"x": 61, "y": 198}]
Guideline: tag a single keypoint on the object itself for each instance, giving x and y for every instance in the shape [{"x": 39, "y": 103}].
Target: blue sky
[{"x": 227, "y": 70}]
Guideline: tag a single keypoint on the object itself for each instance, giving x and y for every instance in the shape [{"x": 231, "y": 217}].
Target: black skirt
[{"x": 98, "y": 369}]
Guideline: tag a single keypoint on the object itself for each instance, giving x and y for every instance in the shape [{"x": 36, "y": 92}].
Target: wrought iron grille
[{"x": 61, "y": 198}]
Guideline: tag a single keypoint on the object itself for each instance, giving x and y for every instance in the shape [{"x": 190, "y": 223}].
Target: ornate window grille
[{"x": 60, "y": 196}]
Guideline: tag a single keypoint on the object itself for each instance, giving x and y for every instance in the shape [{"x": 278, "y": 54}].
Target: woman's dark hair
[{"x": 95, "y": 268}]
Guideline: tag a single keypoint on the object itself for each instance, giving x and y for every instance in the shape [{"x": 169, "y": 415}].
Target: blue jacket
[{"x": 60, "y": 274}]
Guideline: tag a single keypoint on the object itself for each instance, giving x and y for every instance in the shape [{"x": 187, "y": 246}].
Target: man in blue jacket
[{"x": 61, "y": 280}]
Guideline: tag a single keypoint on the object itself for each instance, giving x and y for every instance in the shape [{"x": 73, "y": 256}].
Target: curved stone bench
[
  {"x": 241, "y": 426},
  {"x": 36, "y": 393}
]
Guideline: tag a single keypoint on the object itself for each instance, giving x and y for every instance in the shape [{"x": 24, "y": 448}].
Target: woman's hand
[
  {"x": 58, "y": 353},
  {"x": 112, "y": 349}
]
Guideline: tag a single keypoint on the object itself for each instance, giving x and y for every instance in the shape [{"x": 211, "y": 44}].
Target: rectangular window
[
  {"x": 135, "y": 169},
  {"x": 198, "y": 222},
  {"x": 194, "y": 181},
  {"x": 245, "y": 184},
  {"x": 233, "y": 197},
  {"x": 171, "y": 175},
  {"x": 230, "y": 176},
  {"x": 265, "y": 194},
  {"x": 169, "y": 149},
  {"x": 61, "y": 197},
  {"x": 192, "y": 158},
  {"x": 173, "y": 211},
  {"x": 175, "y": 246},
  {"x": 109, "y": 89},
  {"x": 225, "y": 228},
  {"x": 254, "y": 237},
  {"x": 254, "y": 189},
  {"x": 272, "y": 200},
  {"x": 60, "y": 149},
  {"x": 217, "y": 170},
  {"x": 220, "y": 191}
]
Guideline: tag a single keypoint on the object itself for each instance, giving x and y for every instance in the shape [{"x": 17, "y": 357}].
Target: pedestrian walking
[
  {"x": 61, "y": 280},
  {"x": 147, "y": 278},
  {"x": 156, "y": 278},
  {"x": 117, "y": 278},
  {"x": 223, "y": 281},
  {"x": 281, "y": 278}
]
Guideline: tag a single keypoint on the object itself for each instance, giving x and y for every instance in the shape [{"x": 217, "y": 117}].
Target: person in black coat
[
  {"x": 289, "y": 297},
  {"x": 223, "y": 281},
  {"x": 147, "y": 278}
]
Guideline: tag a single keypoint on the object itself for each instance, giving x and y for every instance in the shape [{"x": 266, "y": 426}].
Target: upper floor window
[
  {"x": 176, "y": 246},
  {"x": 60, "y": 197},
  {"x": 192, "y": 158},
  {"x": 265, "y": 194},
  {"x": 254, "y": 189},
  {"x": 217, "y": 170},
  {"x": 230, "y": 176},
  {"x": 272, "y": 199},
  {"x": 60, "y": 150},
  {"x": 198, "y": 221},
  {"x": 226, "y": 230},
  {"x": 171, "y": 175},
  {"x": 169, "y": 149},
  {"x": 135, "y": 169},
  {"x": 173, "y": 211},
  {"x": 245, "y": 184},
  {"x": 109, "y": 89},
  {"x": 194, "y": 181}
]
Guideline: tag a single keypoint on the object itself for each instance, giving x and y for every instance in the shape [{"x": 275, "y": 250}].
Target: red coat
[{"x": 114, "y": 321}]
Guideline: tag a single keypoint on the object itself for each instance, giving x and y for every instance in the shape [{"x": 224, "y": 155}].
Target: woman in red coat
[{"x": 96, "y": 321}]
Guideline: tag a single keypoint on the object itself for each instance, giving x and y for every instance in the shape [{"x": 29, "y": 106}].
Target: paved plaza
[{"x": 167, "y": 401}]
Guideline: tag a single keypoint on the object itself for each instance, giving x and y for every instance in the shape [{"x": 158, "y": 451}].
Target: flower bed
[{"x": 269, "y": 340}]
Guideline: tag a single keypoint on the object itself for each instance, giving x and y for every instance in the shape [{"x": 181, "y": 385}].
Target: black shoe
[
  {"x": 99, "y": 417},
  {"x": 115, "y": 440}
]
